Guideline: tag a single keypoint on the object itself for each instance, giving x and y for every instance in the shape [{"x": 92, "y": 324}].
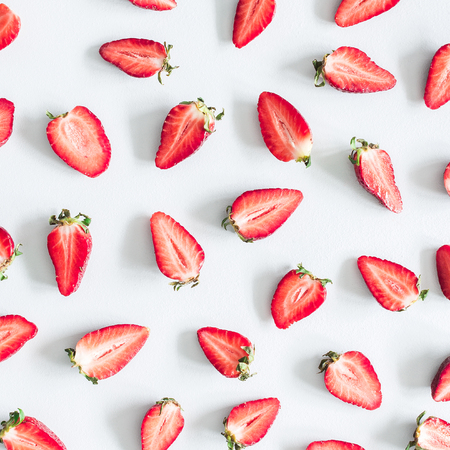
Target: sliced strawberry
[
  {"x": 69, "y": 246},
  {"x": 161, "y": 425},
  {"x": 139, "y": 58},
  {"x": 374, "y": 171},
  {"x": 351, "y": 12},
  {"x": 156, "y": 5},
  {"x": 437, "y": 89},
  {"x": 443, "y": 269},
  {"x": 393, "y": 286},
  {"x": 440, "y": 386},
  {"x": 102, "y": 353},
  {"x": 284, "y": 130},
  {"x": 229, "y": 352},
  {"x": 185, "y": 129},
  {"x": 432, "y": 434},
  {"x": 251, "y": 19},
  {"x": 79, "y": 139},
  {"x": 249, "y": 422},
  {"x": 257, "y": 214},
  {"x": 297, "y": 296},
  {"x": 15, "y": 332},
  {"x": 21, "y": 432},
  {"x": 7, "y": 252},
  {"x": 178, "y": 255},
  {"x": 351, "y": 378},
  {"x": 351, "y": 70},
  {"x": 447, "y": 179},
  {"x": 9, "y": 26},
  {"x": 333, "y": 445},
  {"x": 6, "y": 119}
]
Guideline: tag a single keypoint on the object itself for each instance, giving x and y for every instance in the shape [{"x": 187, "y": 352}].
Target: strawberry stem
[
  {"x": 179, "y": 284},
  {"x": 166, "y": 400},
  {"x": 229, "y": 221},
  {"x": 15, "y": 418},
  {"x": 71, "y": 352},
  {"x": 52, "y": 117},
  {"x": 166, "y": 67},
  {"x": 331, "y": 357},
  {"x": 355, "y": 155},
  {"x": 5, "y": 264},
  {"x": 244, "y": 363},
  {"x": 301, "y": 271},
  {"x": 65, "y": 219},
  {"x": 318, "y": 66}
]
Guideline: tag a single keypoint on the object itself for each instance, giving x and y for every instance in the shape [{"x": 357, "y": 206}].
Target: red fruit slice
[
  {"x": 432, "y": 434},
  {"x": 349, "y": 69},
  {"x": 156, "y": 5},
  {"x": 229, "y": 352},
  {"x": 15, "y": 332},
  {"x": 139, "y": 58},
  {"x": 186, "y": 128},
  {"x": 443, "y": 269},
  {"x": 102, "y": 353},
  {"x": 297, "y": 296},
  {"x": 447, "y": 179},
  {"x": 249, "y": 422},
  {"x": 257, "y": 214},
  {"x": 374, "y": 171},
  {"x": 351, "y": 12},
  {"x": 284, "y": 130},
  {"x": 333, "y": 445},
  {"x": 161, "y": 425},
  {"x": 440, "y": 386},
  {"x": 178, "y": 255},
  {"x": 7, "y": 252},
  {"x": 351, "y": 378},
  {"x": 79, "y": 139},
  {"x": 393, "y": 286},
  {"x": 9, "y": 26},
  {"x": 437, "y": 89},
  {"x": 251, "y": 19},
  {"x": 6, "y": 119}
]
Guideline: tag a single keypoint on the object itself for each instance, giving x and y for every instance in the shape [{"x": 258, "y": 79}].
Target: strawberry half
[
  {"x": 251, "y": 19},
  {"x": 432, "y": 434},
  {"x": 140, "y": 58},
  {"x": 447, "y": 179},
  {"x": 6, "y": 120},
  {"x": 186, "y": 128},
  {"x": 437, "y": 89},
  {"x": 297, "y": 296},
  {"x": 79, "y": 139},
  {"x": 21, "y": 432},
  {"x": 440, "y": 386},
  {"x": 161, "y": 425},
  {"x": 7, "y": 252},
  {"x": 443, "y": 269},
  {"x": 393, "y": 286},
  {"x": 374, "y": 171},
  {"x": 102, "y": 353},
  {"x": 155, "y": 5},
  {"x": 15, "y": 332},
  {"x": 351, "y": 378},
  {"x": 333, "y": 445},
  {"x": 249, "y": 422},
  {"x": 229, "y": 352},
  {"x": 257, "y": 214},
  {"x": 178, "y": 255},
  {"x": 351, "y": 70},
  {"x": 351, "y": 12},
  {"x": 284, "y": 130},
  {"x": 9, "y": 26},
  {"x": 69, "y": 246}
]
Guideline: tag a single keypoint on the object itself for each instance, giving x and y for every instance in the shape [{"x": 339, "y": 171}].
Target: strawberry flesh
[
  {"x": 447, "y": 179},
  {"x": 437, "y": 88},
  {"x": 440, "y": 386},
  {"x": 6, "y": 120},
  {"x": 443, "y": 269},
  {"x": 156, "y": 5},
  {"x": 432, "y": 434},
  {"x": 7, "y": 252},
  {"x": 9, "y": 26},
  {"x": 333, "y": 445},
  {"x": 352, "y": 12},
  {"x": 15, "y": 332}
]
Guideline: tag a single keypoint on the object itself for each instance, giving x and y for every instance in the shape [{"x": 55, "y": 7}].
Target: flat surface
[{"x": 54, "y": 65}]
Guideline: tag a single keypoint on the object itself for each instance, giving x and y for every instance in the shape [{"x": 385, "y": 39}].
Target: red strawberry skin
[
  {"x": 443, "y": 269},
  {"x": 447, "y": 179},
  {"x": 440, "y": 386},
  {"x": 437, "y": 88},
  {"x": 15, "y": 332},
  {"x": 102, "y": 353},
  {"x": 352, "y": 12},
  {"x": 79, "y": 139},
  {"x": 333, "y": 445},
  {"x": 6, "y": 120},
  {"x": 432, "y": 434},
  {"x": 9, "y": 26},
  {"x": 284, "y": 130},
  {"x": 155, "y": 5},
  {"x": 229, "y": 352},
  {"x": 161, "y": 425}
]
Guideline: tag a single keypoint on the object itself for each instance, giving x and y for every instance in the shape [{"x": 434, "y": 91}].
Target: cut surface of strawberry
[
  {"x": 333, "y": 445},
  {"x": 257, "y": 214},
  {"x": 447, "y": 179},
  {"x": 394, "y": 287},
  {"x": 69, "y": 246},
  {"x": 431, "y": 434},
  {"x": 9, "y": 26},
  {"x": 15, "y": 332},
  {"x": 440, "y": 386},
  {"x": 140, "y": 58},
  {"x": 349, "y": 69},
  {"x": 229, "y": 352},
  {"x": 155, "y": 5},
  {"x": 352, "y": 12},
  {"x": 79, "y": 139},
  {"x": 284, "y": 130},
  {"x": 186, "y": 128},
  {"x": 351, "y": 378},
  {"x": 178, "y": 255},
  {"x": 437, "y": 88},
  {"x": 249, "y": 422},
  {"x": 298, "y": 295},
  {"x": 7, "y": 252},
  {"x": 443, "y": 269},
  {"x": 102, "y": 353},
  {"x": 251, "y": 19},
  {"x": 374, "y": 171},
  {"x": 161, "y": 425},
  {"x": 6, "y": 120}
]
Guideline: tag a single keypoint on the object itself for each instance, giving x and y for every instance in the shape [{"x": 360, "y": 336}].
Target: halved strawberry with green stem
[
  {"x": 186, "y": 128},
  {"x": 440, "y": 386},
  {"x": 437, "y": 88},
  {"x": 8, "y": 252},
  {"x": 6, "y": 120},
  {"x": 229, "y": 352},
  {"x": 443, "y": 269},
  {"x": 15, "y": 332},
  {"x": 9, "y": 26},
  {"x": 155, "y": 5},
  {"x": 333, "y": 445},
  {"x": 431, "y": 434},
  {"x": 352, "y": 12}
]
